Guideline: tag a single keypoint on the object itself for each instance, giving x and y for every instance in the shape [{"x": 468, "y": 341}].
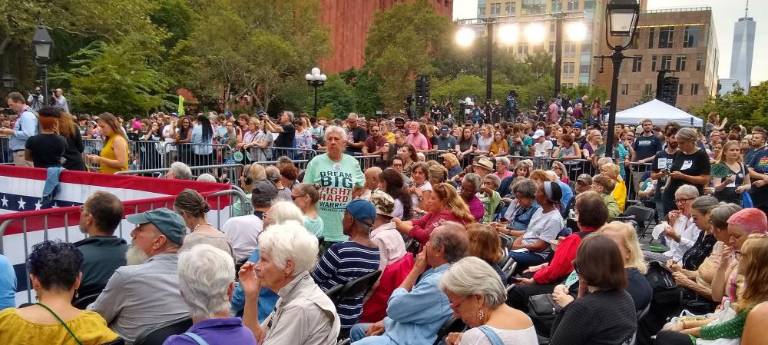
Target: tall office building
[
  {"x": 743, "y": 50},
  {"x": 680, "y": 41}
]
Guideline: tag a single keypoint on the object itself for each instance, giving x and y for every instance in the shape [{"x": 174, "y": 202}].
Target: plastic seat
[
  {"x": 353, "y": 289},
  {"x": 640, "y": 214},
  {"x": 451, "y": 325},
  {"x": 157, "y": 335},
  {"x": 83, "y": 301}
]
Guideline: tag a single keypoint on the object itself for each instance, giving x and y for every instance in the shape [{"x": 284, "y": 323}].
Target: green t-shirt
[
  {"x": 490, "y": 204},
  {"x": 336, "y": 181},
  {"x": 314, "y": 226}
]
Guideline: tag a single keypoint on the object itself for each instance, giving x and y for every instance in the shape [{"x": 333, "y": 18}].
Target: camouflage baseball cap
[{"x": 383, "y": 202}]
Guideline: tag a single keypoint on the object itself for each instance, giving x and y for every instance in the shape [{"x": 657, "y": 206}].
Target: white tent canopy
[{"x": 660, "y": 113}]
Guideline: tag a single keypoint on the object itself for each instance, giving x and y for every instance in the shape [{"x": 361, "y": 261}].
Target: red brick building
[{"x": 349, "y": 20}]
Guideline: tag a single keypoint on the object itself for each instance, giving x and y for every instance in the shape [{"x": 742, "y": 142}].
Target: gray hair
[
  {"x": 273, "y": 173},
  {"x": 704, "y": 204},
  {"x": 205, "y": 275},
  {"x": 452, "y": 237},
  {"x": 180, "y": 171},
  {"x": 290, "y": 241},
  {"x": 687, "y": 191},
  {"x": 283, "y": 211},
  {"x": 526, "y": 187},
  {"x": 290, "y": 115},
  {"x": 474, "y": 179},
  {"x": 504, "y": 161},
  {"x": 206, "y": 178},
  {"x": 471, "y": 276},
  {"x": 720, "y": 214},
  {"x": 335, "y": 129},
  {"x": 494, "y": 179}
]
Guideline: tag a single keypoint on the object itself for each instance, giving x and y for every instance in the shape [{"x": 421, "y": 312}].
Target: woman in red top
[
  {"x": 442, "y": 204},
  {"x": 591, "y": 215}
]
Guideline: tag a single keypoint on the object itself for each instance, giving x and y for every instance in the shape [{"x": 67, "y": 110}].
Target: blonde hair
[
  {"x": 754, "y": 255},
  {"x": 721, "y": 157},
  {"x": 611, "y": 170},
  {"x": 452, "y": 201},
  {"x": 631, "y": 244}
]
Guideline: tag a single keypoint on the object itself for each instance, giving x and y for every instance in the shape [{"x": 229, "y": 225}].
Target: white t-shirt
[
  {"x": 243, "y": 233},
  {"x": 688, "y": 231},
  {"x": 415, "y": 199},
  {"x": 545, "y": 227},
  {"x": 526, "y": 336},
  {"x": 542, "y": 149}
]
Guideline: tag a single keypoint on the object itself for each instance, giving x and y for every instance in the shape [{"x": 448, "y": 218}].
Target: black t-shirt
[
  {"x": 73, "y": 155},
  {"x": 695, "y": 164},
  {"x": 646, "y": 146},
  {"x": 357, "y": 135},
  {"x": 286, "y": 138},
  {"x": 46, "y": 149}
]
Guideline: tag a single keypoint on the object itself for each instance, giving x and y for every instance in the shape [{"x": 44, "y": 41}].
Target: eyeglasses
[
  {"x": 680, "y": 201},
  {"x": 294, "y": 197}
]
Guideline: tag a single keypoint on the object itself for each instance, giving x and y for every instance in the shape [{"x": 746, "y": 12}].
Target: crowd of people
[{"x": 515, "y": 233}]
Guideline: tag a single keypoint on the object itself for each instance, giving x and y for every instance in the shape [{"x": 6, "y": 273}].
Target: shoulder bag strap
[
  {"x": 198, "y": 339},
  {"x": 491, "y": 335},
  {"x": 62, "y": 322}
]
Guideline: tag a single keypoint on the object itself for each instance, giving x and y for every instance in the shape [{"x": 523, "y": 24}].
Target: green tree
[
  {"x": 748, "y": 110},
  {"x": 401, "y": 43}
]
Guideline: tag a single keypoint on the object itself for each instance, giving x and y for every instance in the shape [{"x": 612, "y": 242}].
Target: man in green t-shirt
[{"x": 339, "y": 177}]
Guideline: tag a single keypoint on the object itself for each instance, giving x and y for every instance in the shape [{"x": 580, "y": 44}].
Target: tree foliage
[{"x": 748, "y": 110}]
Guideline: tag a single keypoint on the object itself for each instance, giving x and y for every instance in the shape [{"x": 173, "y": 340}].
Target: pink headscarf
[{"x": 751, "y": 220}]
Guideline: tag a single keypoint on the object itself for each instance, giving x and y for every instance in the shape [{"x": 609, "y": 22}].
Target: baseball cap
[
  {"x": 168, "y": 222},
  {"x": 539, "y": 133},
  {"x": 584, "y": 178},
  {"x": 577, "y": 125},
  {"x": 263, "y": 192},
  {"x": 362, "y": 211},
  {"x": 384, "y": 203},
  {"x": 444, "y": 128}
]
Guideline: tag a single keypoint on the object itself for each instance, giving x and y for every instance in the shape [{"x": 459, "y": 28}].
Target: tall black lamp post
[
  {"x": 42, "y": 42},
  {"x": 8, "y": 81},
  {"x": 315, "y": 80},
  {"x": 622, "y": 17}
]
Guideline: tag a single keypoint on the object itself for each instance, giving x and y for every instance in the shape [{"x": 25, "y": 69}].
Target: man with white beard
[{"x": 145, "y": 293}]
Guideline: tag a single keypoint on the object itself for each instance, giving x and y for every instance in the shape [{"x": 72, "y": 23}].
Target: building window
[
  {"x": 534, "y": 7},
  {"x": 495, "y": 9},
  {"x": 551, "y": 47},
  {"x": 666, "y": 62},
  {"x": 510, "y": 7},
  {"x": 648, "y": 90},
  {"x": 569, "y": 48},
  {"x": 573, "y": 5},
  {"x": 699, "y": 62},
  {"x": 569, "y": 68},
  {"x": 651, "y": 33},
  {"x": 556, "y": 6},
  {"x": 584, "y": 68},
  {"x": 635, "y": 40},
  {"x": 624, "y": 89},
  {"x": 637, "y": 64},
  {"x": 666, "y": 36},
  {"x": 680, "y": 63},
  {"x": 691, "y": 36},
  {"x": 680, "y": 89},
  {"x": 694, "y": 89},
  {"x": 522, "y": 48},
  {"x": 653, "y": 63},
  {"x": 481, "y": 7}
]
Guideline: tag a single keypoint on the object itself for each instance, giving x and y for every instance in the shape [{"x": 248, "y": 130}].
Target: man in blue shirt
[
  {"x": 417, "y": 310},
  {"x": 23, "y": 129}
]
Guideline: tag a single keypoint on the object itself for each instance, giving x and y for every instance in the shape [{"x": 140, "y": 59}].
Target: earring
[{"x": 481, "y": 316}]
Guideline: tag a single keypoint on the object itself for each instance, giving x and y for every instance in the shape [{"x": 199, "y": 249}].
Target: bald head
[{"x": 372, "y": 177}]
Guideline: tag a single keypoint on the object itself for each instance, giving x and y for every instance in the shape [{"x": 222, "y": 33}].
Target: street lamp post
[
  {"x": 8, "y": 81},
  {"x": 315, "y": 80},
  {"x": 489, "y": 60},
  {"x": 622, "y": 17},
  {"x": 42, "y": 42}
]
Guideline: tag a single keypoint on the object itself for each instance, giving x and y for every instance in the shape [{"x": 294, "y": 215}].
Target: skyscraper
[{"x": 743, "y": 49}]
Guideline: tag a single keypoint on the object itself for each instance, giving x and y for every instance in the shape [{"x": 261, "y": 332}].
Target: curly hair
[{"x": 55, "y": 264}]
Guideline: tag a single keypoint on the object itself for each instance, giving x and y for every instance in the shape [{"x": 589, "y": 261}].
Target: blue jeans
[
  {"x": 526, "y": 259},
  {"x": 357, "y": 335}
]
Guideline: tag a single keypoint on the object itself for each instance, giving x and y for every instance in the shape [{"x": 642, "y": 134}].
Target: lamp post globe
[
  {"x": 42, "y": 43},
  {"x": 622, "y": 17},
  {"x": 315, "y": 79}
]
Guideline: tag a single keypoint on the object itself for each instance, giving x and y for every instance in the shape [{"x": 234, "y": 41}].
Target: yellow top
[
  {"x": 620, "y": 194},
  {"x": 390, "y": 137},
  {"x": 108, "y": 152},
  {"x": 89, "y": 327}
]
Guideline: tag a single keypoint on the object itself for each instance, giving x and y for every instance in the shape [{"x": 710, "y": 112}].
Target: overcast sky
[{"x": 725, "y": 12}]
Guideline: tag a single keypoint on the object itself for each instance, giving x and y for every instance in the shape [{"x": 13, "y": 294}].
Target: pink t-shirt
[{"x": 418, "y": 140}]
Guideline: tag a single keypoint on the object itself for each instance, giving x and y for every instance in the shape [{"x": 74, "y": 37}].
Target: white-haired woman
[
  {"x": 337, "y": 175},
  {"x": 305, "y": 314},
  {"x": 281, "y": 212},
  {"x": 206, "y": 282},
  {"x": 477, "y": 296},
  {"x": 682, "y": 232}
]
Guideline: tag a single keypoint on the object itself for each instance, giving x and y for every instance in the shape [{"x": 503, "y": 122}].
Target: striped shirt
[{"x": 341, "y": 263}]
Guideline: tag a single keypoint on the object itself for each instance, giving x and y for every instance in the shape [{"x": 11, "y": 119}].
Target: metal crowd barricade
[
  {"x": 221, "y": 171},
  {"x": 293, "y": 153},
  {"x": 368, "y": 161},
  {"x": 149, "y": 154},
  {"x": 63, "y": 224},
  {"x": 202, "y": 154},
  {"x": 92, "y": 146},
  {"x": 6, "y": 156},
  {"x": 433, "y": 155}
]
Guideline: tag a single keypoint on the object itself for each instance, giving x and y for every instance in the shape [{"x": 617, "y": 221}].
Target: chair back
[
  {"x": 157, "y": 335},
  {"x": 358, "y": 287},
  {"x": 451, "y": 325},
  {"x": 83, "y": 301}
]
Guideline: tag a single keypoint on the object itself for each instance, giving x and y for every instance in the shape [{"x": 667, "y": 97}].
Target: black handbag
[
  {"x": 543, "y": 306},
  {"x": 660, "y": 277}
]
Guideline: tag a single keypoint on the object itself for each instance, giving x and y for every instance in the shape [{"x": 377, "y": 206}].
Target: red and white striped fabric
[{"x": 24, "y": 223}]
